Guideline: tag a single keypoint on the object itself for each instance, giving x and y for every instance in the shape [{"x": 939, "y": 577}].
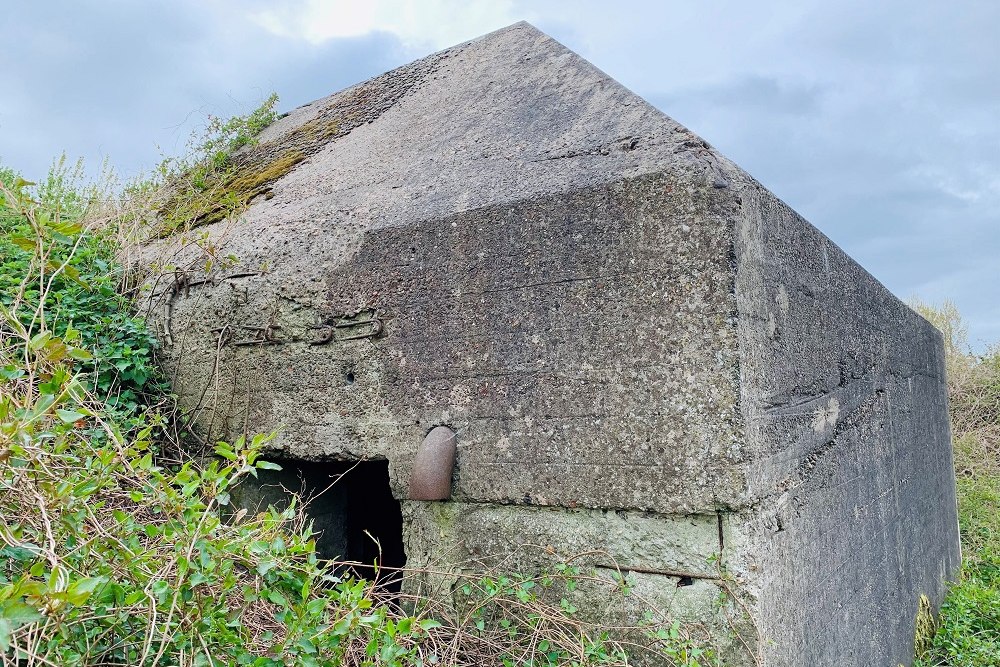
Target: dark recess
[
  {"x": 374, "y": 523},
  {"x": 352, "y": 509}
]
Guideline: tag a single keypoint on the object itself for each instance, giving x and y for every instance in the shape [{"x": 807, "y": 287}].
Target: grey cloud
[
  {"x": 876, "y": 121},
  {"x": 756, "y": 94},
  {"x": 120, "y": 79}
]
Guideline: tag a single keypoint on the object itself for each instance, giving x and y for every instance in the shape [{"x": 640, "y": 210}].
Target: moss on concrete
[
  {"x": 924, "y": 627},
  {"x": 219, "y": 189},
  {"x": 250, "y": 182},
  {"x": 220, "y": 193}
]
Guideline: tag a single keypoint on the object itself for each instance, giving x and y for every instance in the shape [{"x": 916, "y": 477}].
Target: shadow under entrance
[{"x": 351, "y": 507}]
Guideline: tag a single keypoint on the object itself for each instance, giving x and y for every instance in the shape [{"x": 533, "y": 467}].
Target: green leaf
[
  {"x": 86, "y": 487},
  {"x": 160, "y": 590},
  {"x": 22, "y": 552},
  {"x": 78, "y": 593},
  {"x": 69, "y": 416},
  {"x": 67, "y": 227},
  {"x": 32, "y": 588},
  {"x": 18, "y": 613},
  {"x": 225, "y": 451},
  {"x": 198, "y": 578},
  {"x": 267, "y": 465},
  {"x": 80, "y": 354},
  {"x": 39, "y": 340},
  {"x": 11, "y": 373},
  {"x": 23, "y": 243},
  {"x": 74, "y": 274}
]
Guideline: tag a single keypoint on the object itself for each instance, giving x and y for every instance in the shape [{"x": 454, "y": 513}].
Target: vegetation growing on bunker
[
  {"x": 113, "y": 550},
  {"x": 227, "y": 167}
]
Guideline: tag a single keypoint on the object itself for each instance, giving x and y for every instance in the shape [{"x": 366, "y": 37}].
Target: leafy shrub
[
  {"x": 208, "y": 184},
  {"x": 55, "y": 273},
  {"x": 107, "y": 556}
]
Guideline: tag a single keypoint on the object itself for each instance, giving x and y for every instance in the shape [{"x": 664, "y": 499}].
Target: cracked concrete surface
[{"x": 640, "y": 349}]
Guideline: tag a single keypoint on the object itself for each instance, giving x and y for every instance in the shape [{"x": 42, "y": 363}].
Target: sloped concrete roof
[{"x": 508, "y": 116}]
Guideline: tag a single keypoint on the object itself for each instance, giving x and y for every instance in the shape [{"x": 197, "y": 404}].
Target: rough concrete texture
[
  {"x": 611, "y": 316},
  {"x": 849, "y": 450}
]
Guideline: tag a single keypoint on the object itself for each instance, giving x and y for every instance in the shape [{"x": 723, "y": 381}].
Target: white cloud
[{"x": 418, "y": 24}]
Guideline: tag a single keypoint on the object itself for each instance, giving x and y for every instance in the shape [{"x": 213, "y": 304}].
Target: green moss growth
[
  {"x": 229, "y": 170},
  {"x": 443, "y": 516},
  {"x": 924, "y": 627},
  {"x": 248, "y": 183},
  {"x": 320, "y": 128},
  {"x": 209, "y": 198}
]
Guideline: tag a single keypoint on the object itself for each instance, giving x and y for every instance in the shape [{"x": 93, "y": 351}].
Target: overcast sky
[{"x": 878, "y": 121}]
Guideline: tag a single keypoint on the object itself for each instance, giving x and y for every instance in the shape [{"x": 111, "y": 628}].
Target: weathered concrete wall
[
  {"x": 546, "y": 329},
  {"x": 672, "y": 562},
  {"x": 579, "y": 337},
  {"x": 845, "y": 414},
  {"x": 563, "y": 337},
  {"x": 642, "y": 352}
]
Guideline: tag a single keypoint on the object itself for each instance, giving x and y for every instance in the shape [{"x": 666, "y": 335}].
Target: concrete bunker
[{"x": 644, "y": 355}]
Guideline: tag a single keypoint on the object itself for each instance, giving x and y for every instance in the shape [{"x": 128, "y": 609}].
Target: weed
[{"x": 215, "y": 180}]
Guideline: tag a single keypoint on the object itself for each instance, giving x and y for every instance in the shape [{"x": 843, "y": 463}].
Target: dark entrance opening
[
  {"x": 374, "y": 524},
  {"x": 352, "y": 509}
]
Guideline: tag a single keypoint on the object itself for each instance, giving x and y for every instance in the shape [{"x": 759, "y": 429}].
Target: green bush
[
  {"x": 59, "y": 278},
  {"x": 106, "y": 555}
]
